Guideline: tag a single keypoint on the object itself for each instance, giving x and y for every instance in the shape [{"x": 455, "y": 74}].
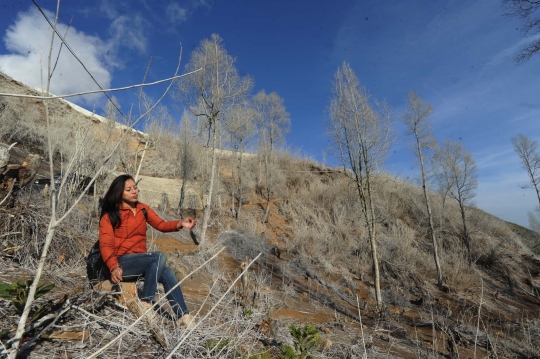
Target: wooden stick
[{"x": 98, "y": 91}]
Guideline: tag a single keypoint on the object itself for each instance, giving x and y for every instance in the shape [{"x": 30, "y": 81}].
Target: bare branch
[
  {"x": 98, "y": 91},
  {"x": 526, "y": 11}
]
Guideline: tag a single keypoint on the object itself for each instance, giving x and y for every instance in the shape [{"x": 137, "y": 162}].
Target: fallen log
[{"x": 17, "y": 169}]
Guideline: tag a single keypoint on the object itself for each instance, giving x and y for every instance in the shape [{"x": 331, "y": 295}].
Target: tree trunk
[
  {"x": 141, "y": 162},
  {"x": 267, "y": 209},
  {"x": 267, "y": 176},
  {"x": 96, "y": 198},
  {"x": 466, "y": 232},
  {"x": 433, "y": 239},
  {"x": 233, "y": 182},
  {"x": 184, "y": 175},
  {"x": 373, "y": 243},
  {"x": 364, "y": 194},
  {"x": 182, "y": 194},
  {"x": 208, "y": 205},
  {"x": 537, "y": 192},
  {"x": 430, "y": 217},
  {"x": 240, "y": 192},
  {"x": 373, "y": 240}
]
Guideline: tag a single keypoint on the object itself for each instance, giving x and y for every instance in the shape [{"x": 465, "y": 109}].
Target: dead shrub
[
  {"x": 28, "y": 223},
  {"x": 456, "y": 271}
]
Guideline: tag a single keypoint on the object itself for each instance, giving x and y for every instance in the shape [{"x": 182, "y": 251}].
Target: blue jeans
[{"x": 151, "y": 266}]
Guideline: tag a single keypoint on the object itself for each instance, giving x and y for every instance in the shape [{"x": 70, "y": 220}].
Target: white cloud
[
  {"x": 28, "y": 40},
  {"x": 129, "y": 32},
  {"x": 500, "y": 156},
  {"x": 176, "y": 13},
  {"x": 107, "y": 8},
  {"x": 511, "y": 51}
]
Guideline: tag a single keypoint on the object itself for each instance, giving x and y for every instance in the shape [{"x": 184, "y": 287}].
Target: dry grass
[{"x": 29, "y": 226}]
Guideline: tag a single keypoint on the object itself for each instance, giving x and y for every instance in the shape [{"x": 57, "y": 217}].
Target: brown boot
[
  {"x": 187, "y": 321},
  {"x": 142, "y": 307}
]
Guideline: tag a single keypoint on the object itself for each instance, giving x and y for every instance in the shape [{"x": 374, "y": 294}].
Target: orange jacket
[{"x": 130, "y": 237}]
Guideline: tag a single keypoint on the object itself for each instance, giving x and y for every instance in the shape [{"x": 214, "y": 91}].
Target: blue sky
[{"x": 457, "y": 55}]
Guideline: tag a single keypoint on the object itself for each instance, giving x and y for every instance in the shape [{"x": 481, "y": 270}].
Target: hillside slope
[{"x": 315, "y": 264}]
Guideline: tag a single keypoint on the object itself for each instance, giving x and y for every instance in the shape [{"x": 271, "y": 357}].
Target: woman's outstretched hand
[{"x": 187, "y": 222}]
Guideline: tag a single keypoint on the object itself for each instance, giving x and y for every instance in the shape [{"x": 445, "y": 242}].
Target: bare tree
[
  {"x": 241, "y": 129},
  {"x": 273, "y": 123},
  {"x": 208, "y": 94},
  {"x": 527, "y": 11},
  {"x": 527, "y": 150},
  {"x": 457, "y": 173},
  {"x": 417, "y": 120},
  {"x": 363, "y": 138}
]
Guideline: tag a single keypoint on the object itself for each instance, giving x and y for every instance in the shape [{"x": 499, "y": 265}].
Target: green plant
[
  {"x": 305, "y": 339},
  {"x": 263, "y": 355},
  {"x": 213, "y": 346},
  {"x": 18, "y": 293},
  {"x": 248, "y": 313},
  {"x": 288, "y": 351}
]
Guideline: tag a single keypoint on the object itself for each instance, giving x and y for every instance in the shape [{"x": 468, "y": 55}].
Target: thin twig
[
  {"x": 144, "y": 80},
  {"x": 98, "y": 318},
  {"x": 61, "y": 45},
  {"x": 361, "y": 327},
  {"x": 150, "y": 308},
  {"x": 478, "y": 320},
  {"x": 98, "y": 91},
  {"x": 8, "y": 234}
]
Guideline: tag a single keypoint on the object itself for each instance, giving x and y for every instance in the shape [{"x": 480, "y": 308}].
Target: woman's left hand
[
  {"x": 116, "y": 275},
  {"x": 187, "y": 222}
]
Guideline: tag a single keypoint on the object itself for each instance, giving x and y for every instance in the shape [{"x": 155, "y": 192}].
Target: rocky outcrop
[{"x": 17, "y": 168}]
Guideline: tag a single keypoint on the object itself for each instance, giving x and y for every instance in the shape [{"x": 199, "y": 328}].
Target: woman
[{"x": 122, "y": 242}]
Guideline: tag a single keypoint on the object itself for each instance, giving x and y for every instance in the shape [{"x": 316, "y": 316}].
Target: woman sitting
[{"x": 122, "y": 242}]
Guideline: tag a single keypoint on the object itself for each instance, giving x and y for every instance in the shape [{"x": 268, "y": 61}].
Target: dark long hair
[{"x": 113, "y": 199}]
